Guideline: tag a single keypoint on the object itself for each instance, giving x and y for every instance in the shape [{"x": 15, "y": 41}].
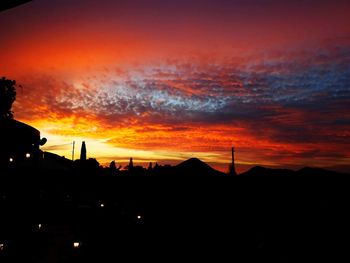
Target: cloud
[{"x": 284, "y": 105}]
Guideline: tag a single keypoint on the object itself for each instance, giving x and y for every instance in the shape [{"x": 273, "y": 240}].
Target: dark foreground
[{"x": 279, "y": 219}]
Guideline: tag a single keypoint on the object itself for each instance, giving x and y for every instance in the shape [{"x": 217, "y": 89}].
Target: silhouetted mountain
[
  {"x": 7, "y": 4},
  {"x": 314, "y": 171},
  {"x": 307, "y": 171},
  {"x": 263, "y": 171},
  {"x": 194, "y": 166}
]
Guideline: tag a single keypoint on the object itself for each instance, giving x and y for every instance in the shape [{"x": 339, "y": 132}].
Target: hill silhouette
[
  {"x": 315, "y": 171},
  {"x": 194, "y": 166},
  {"x": 263, "y": 171},
  {"x": 259, "y": 171}
]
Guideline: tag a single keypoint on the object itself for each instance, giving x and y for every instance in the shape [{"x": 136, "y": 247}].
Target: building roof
[{"x": 14, "y": 133}]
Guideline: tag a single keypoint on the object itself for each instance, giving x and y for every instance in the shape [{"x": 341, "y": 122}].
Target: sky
[{"x": 164, "y": 81}]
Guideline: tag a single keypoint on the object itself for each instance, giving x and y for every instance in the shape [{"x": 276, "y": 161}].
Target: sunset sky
[{"x": 166, "y": 80}]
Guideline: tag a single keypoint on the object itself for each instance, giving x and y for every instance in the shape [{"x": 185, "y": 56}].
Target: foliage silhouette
[
  {"x": 113, "y": 169},
  {"x": 7, "y": 97}
]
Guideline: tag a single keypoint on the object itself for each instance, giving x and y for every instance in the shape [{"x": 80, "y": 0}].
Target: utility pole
[{"x": 73, "y": 151}]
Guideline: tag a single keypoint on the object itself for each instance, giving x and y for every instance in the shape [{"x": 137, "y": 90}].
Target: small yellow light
[
  {"x": 27, "y": 155},
  {"x": 139, "y": 217},
  {"x": 102, "y": 205},
  {"x": 76, "y": 244},
  {"x": 11, "y": 160},
  {"x": 40, "y": 226},
  {"x": 2, "y": 246}
]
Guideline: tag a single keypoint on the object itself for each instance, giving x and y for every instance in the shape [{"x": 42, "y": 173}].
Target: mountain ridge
[
  {"x": 305, "y": 171},
  {"x": 195, "y": 166}
]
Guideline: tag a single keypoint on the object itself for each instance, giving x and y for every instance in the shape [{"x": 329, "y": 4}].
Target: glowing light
[
  {"x": 27, "y": 155},
  {"x": 102, "y": 205},
  {"x": 40, "y": 226},
  {"x": 139, "y": 217},
  {"x": 11, "y": 160},
  {"x": 2, "y": 246},
  {"x": 76, "y": 244}
]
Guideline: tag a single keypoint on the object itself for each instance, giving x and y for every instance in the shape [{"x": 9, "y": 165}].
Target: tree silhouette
[
  {"x": 113, "y": 169},
  {"x": 131, "y": 165},
  {"x": 112, "y": 166},
  {"x": 7, "y": 97}
]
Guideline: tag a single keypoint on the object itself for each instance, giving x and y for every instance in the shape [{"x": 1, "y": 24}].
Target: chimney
[
  {"x": 131, "y": 164},
  {"x": 83, "y": 152}
]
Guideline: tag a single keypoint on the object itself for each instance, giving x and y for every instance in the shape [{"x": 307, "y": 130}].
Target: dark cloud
[{"x": 217, "y": 89}]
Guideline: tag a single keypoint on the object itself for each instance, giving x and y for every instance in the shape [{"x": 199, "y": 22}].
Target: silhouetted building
[
  {"x": 19, "y": 142},
  {"x": 131, "y": 165},
  {"x": 54, "y": 162},
  {"x": 83, "y": 152},
  {"x": 232, "y": 166}
]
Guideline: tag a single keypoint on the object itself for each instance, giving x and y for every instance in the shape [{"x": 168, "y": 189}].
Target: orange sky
[{"x": 166, "y": 81}]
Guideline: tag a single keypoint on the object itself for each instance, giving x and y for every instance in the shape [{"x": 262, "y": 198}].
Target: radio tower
[{"x": 232, "y": 166}]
